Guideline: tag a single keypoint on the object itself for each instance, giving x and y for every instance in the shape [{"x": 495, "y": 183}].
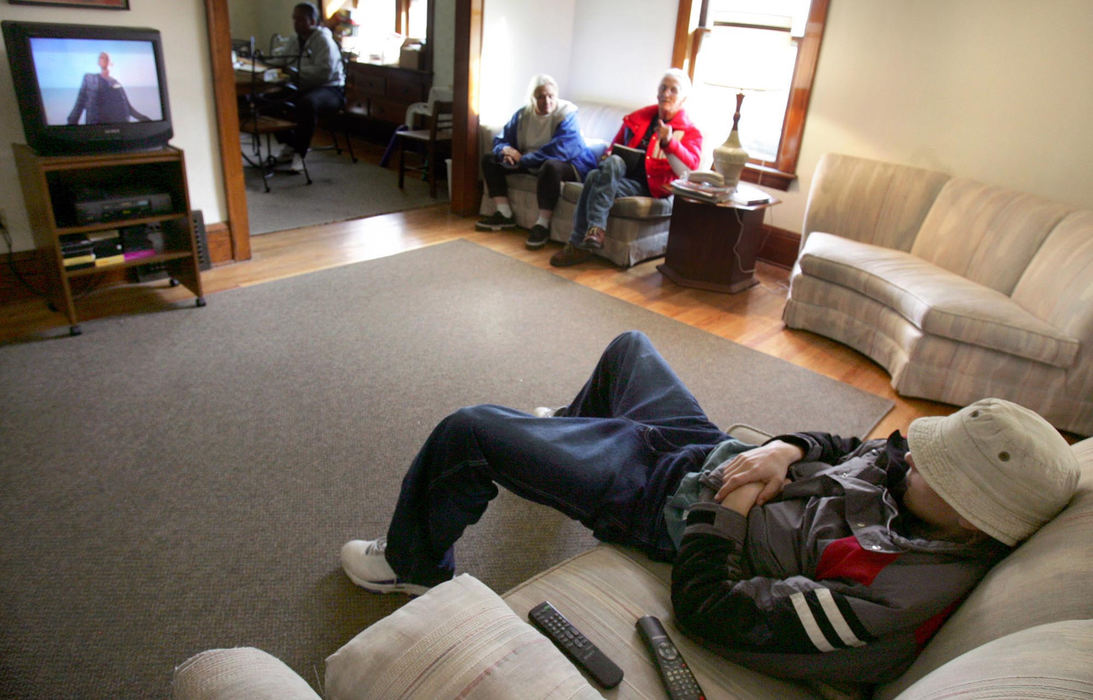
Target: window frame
[{"x": 782, "y": 171}]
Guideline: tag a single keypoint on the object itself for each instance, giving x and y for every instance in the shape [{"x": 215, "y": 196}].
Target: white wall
[
  {"x": 189, "y": 85},
  {"x": 621, "y": 50},
  {"x": 997, "y": 90},
  {"x": 443, "y": 42},
  {"x": 521, "y": 39}
]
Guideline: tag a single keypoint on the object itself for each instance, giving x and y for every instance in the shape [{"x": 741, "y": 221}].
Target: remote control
[
  {"x": 674, "y": 671},
  {"x": 575, "y": 645}
]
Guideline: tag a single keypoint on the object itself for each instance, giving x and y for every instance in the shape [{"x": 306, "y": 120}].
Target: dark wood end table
[{"x": 713, "y": 246}]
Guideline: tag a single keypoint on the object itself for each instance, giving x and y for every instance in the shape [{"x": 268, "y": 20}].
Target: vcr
[{"x": 122, "y": 206}]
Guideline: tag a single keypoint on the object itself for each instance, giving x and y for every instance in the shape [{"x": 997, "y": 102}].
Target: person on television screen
[
  {"x": 315, "y": 62},
  {"x": 809, "y": 556},
  {"x": 672, "y": 145},
  {"x": 542, "y": 138},
  {"x": 103, "y": 98}
]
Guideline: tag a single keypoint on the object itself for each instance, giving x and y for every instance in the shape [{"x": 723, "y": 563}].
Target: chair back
[{"x": 440, "y": 121}]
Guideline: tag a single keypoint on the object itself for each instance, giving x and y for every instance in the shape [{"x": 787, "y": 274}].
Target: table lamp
[{"x": 730, "y": 157}]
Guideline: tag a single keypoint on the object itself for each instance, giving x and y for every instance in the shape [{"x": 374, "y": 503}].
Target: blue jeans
[
  {"x": 602, "y": 187},
  {"x": 609, "y": 460}
]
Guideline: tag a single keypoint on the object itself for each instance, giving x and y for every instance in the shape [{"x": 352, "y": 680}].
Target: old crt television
[{"x": 87, "y": 88}]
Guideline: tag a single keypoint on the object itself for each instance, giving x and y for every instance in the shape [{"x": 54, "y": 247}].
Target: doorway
[{"x": 467, "y": 46}]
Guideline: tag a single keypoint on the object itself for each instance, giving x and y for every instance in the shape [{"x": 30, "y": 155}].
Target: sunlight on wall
[{"x": 495, "y": 102}]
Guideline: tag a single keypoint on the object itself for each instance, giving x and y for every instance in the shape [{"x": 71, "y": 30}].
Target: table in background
[{"x": 713, "y": 246}]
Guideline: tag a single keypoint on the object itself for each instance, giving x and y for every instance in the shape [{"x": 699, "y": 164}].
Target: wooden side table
[{"x": 713, "y": 246}]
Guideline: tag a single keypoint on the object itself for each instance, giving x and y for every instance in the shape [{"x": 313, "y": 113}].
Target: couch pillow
[
  {"x": 458, "y": 640},
  {"x": 242, "y": 672}
]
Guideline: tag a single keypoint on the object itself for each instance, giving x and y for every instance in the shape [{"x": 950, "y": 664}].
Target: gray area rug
[
  {"x": 340, "y": 190},
  {"x": 183, "y": 480}
]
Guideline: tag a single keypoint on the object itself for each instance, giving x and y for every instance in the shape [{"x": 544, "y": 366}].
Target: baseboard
[{"x": 779, "y": 246}]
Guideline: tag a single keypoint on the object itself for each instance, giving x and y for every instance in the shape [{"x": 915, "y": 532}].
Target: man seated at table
[{"x": 315, "y": 62}]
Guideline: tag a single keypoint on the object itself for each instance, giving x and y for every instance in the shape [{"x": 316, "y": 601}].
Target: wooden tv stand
[{"x": 48, "y": 185}]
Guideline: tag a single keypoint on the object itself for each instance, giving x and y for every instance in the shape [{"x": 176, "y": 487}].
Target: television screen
[
  {"x": 96, "y": 81},
  {"x": 88, "y": 88}
]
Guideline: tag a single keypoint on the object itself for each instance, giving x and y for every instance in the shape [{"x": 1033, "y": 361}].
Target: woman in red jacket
[{"x": 672, "y": 146}]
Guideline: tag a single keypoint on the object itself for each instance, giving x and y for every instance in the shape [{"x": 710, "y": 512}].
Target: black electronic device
[
  {"x": 575, "y": 645},
  {"x": 674, "y": 671},
  {"x": 89, "y": 88},
  {"x": 123, "y": 205}
]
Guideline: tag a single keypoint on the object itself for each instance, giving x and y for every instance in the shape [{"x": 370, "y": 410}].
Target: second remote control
[
  {"x": 575, "y": 645},
  {"x": 674, "y": 671}
]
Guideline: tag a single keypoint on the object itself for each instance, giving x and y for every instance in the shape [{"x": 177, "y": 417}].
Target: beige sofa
[
  {"x": 1025, "y": 631},
  {"x": 637, "y": 227},
  {"x": 960, "y": 290}
]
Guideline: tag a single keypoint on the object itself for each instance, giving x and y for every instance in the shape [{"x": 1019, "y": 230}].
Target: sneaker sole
[
  {"x": 379, "y": 587},
  {"x": 494, "y": 227},
  {"x": 534, "y": 245}
]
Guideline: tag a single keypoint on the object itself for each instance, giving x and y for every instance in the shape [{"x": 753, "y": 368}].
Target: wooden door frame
[{"x": 468, "y": 45}]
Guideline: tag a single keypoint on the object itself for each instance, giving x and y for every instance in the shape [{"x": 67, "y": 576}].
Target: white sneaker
[
  {"x": 285, "y": 154},
  {"x": 297, "y": 163},
  {"x": 365, "y": 563}
]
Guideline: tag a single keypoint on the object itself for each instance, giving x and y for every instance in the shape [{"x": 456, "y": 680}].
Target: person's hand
[
  {"x": 763, "y": 467},
  {"x": 664, "y": 133},
  {"x": 510, "y": 156},
  {"x": 742, "y": 498}
]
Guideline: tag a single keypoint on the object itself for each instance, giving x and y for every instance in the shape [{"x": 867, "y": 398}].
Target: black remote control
[
  {"x": 674, "y": 671},
  {"x": 575, "y": 645}
]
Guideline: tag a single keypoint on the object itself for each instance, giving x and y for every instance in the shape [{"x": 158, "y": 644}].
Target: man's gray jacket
[{"x": 829, "y": 581}]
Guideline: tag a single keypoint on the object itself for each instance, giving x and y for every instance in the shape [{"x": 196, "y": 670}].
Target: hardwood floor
[{"x": 751, "y": 318}]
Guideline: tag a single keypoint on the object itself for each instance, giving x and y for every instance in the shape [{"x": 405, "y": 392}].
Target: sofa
[
  {"x": 637, "y": 227},
  {"x": 959, "y": 289},
  {"x": 1024, "y": 631}
]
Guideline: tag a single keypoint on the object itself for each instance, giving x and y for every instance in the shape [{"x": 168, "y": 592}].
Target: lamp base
[{"x": 730, "y": 158}]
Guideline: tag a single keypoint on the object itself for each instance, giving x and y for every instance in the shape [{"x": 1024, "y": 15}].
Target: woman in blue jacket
[{"x": 544, "y": 139}]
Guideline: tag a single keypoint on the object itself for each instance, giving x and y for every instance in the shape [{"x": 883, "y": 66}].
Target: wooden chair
[{"x": 433, "y": 140}]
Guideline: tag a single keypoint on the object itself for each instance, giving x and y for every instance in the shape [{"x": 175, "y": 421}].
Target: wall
[
  {"x": 996, "y": 90},
  {"x": 260, "y": 19},
  {"x": 186, "y": 53},
  {"x": 443, "y": 42},
  {"x": 620, "y": 51},
  {"x": 521, "y": 39}
]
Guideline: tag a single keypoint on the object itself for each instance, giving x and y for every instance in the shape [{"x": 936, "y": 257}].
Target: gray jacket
[{"x": 831, "y": 580}]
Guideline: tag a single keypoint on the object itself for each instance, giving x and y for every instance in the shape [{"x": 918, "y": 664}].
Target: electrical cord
[
  {"x": 86, "y": 288},
  {"x": 15, "y": 270}
]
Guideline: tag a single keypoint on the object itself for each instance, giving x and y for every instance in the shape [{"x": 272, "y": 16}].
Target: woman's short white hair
[
  {"x": 539, "y": 81},
  {"x": 680, "y": 77}
]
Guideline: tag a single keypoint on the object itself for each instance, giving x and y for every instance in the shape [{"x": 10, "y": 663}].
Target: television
[{"x": 88, "y": 88}]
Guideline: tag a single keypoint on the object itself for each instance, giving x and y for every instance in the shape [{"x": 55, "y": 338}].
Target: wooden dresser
[{"x": 380, "y": 94}]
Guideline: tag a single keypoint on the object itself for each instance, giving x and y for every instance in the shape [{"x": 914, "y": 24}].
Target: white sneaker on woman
[{"x": 365, "y": 563}]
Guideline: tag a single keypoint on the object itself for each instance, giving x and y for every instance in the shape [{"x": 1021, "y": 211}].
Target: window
[
  {"x": 384, "y": 24},
  {"x": 766, "y": 49}
]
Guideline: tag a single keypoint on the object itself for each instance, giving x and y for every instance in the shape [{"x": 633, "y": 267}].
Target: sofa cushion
[
  {"x": 242, "y": 672},
  {"x": 457, "y": 640},
  {"x": 984, "y": 233},
  {"x": 1047, "y": 661},
  {"x": 869, "y": 200},
  {"x": 939, "y": 302},
  {"x": 603, "y": 591}
]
